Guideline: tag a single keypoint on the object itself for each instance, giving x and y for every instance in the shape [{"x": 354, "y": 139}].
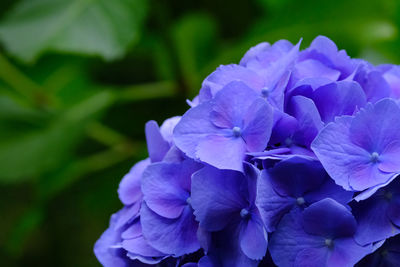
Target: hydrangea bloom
[{"x": 289, "y": 158}]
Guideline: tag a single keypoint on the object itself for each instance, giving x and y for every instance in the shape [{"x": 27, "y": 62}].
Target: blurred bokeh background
[{"x": 79, "y": 79}]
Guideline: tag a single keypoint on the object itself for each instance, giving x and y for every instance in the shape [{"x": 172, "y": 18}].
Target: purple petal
[
  {"x": 107, "y": 249},
  {"x": 337, "y": 219},
  {"x": 156, "y": 144},
  {"x": 306, "y": 87},
  {"x": 278, "y": 74},
  {"x": 252, "y": 173},
  {"x": 142, "y": 261},
  {"x": 218, "y": 197},
  {"x": 134, "y": 230},
  {"x": 308, "y": 120},
  {"x": 390, "y": 158},
  {"x": 206, "y": 261},
  {"x": 138, "y": 246},
  {"x": 292, "y": 245},
  {"x": 129, "y": 188},
  {"x": 226, "y": 250},
  {"x": 276, "y": 151},
  {"x": 373, "y": 222},
  {"x": 313, "y": 257},
  {"x": 194, "y": 102},
  {"x": 372, "y": 82},
  {"x": 329, "y": 190},
  {"x": 325, "y": 51},
  {"x": 347, "y": 252},
  {"x": 174, "y": 155},
  {"x": 311, "y": 68},
  {"x": 222, "y": 152},
  {"x": 274, "y": 70},
  {"x": 255, "y": 52},
  {"x": 167, "y": 128},
  {"x": 289, "y": 239},
  {"x": 324, "y": 46},
  {"x": 337, "y": 99},
  {"x": 296, "y": 175},
  {"x": 284, "y": 126},
  {"x": 271, "y": 205},
  {"x": 392, "y": 77},
  {"x": 194, "y": 127},
  {"x": 376, "y": 126},
  {"x": 226, "y": 74},
  {"x": 348, "y": 164},
  {"x": 219, "y": 143},
  {"x": 372, "y": 190},
  {"x": 127, "y": 214},
  {"x": 170, "y": 236},
  {"x": 275, "y": 63},
  {"x": 253, "y": 239},
  {"x": 257, "y": 126},
  {"x": 231, "y": 105},
  {"x": 166, "y": 187},
  {"x": 263, "y": 54}
]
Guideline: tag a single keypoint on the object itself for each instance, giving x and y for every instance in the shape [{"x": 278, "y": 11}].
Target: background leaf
[
  {"x": 37, "y": 151},
  {"x": 194, "y": 39},
  {"x": 92, "y": 27}
]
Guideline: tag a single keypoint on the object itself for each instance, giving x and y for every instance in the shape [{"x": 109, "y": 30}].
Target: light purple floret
[
  {"x": 363, "y": 151},
  {"x": 221, "y": 131}
]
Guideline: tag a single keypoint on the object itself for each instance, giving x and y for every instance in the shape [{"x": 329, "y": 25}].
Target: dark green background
[{"x": 79, "y": 79}]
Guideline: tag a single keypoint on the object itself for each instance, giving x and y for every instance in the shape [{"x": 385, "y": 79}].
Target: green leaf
[
  {"x": 37, "y": 151},
  {"x": 92, "y": 27}
]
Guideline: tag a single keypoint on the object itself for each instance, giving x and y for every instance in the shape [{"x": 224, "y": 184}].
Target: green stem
[
  {"x": 104, "y": 134},
  {"x": 21, "y": 83},
  {"x": 146, "y": 91}
]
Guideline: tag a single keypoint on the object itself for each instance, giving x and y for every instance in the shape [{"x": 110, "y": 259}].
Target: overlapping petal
[
  {"x": 170, "y": 236},
  {"x": 166, "y": 186}
]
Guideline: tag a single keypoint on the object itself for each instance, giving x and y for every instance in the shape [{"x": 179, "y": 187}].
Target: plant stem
[
  {"x": 105, "y": 135},
  {"x": 146, "y": 91}
]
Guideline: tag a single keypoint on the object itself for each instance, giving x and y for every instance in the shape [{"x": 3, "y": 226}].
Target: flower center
[
  {"x": 265, "y": 92},
  {"x": 244, "y": 213},
  {"x": 328, "y": 242},
  {"x": 236, "y": 131},
  {"x": 374, "y": 157},
  {"x": 300, "y": 201},
  {"x": 189, "y": 201},
  {"x": 288, "y": 141}
]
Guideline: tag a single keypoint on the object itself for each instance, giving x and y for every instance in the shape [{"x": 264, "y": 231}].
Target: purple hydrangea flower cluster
[{"x": 289, "y": 158}]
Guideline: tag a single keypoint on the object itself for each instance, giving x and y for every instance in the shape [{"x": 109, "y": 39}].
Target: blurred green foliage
[{"x": 79, "y": 78}]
